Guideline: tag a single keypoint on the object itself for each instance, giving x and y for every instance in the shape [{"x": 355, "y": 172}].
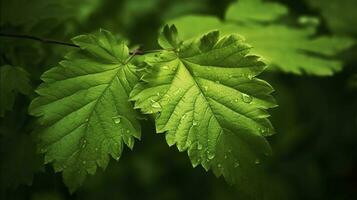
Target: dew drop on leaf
[
  {"x": 156, "y": 105},
  {"x": 246, "y": 98},
  {"x": 210, "y": 155},
  {"x": 116, "y": 119},
  {"x": 257, "y": 161},
  {"x": 205, "y": 88},
  {"x": 199, "y": 146}
]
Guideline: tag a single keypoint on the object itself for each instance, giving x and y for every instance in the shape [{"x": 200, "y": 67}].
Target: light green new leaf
[
  {"x": 83, "y": 104},
  {"x": 13, "y": 80},
  {"x": 289, "y": 49},
  {"x": 209, "y": 102}
]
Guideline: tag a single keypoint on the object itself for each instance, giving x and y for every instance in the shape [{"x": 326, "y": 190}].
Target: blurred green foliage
[{"x": 315, "y": 148}]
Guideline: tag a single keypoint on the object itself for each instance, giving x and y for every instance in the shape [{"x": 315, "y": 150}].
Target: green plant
[{"x": 199, "y": 86}]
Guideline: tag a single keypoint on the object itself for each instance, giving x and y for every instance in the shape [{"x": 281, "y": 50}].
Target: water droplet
[
  {"x": 128, "y": 131},
  {"x": 199, "y": 146},
  {"x": 116, "y": 119},
  {"x": 219, "y": 165},
  {"x": 257, "y": 161},
  {"x": 87, "y": 120},
  {"x": 210, "y": 155},
  {"x": 84, "y": 143},
  {"x": 236, "y": 164},
  {"x": 205, "y": 88},
  {"x": 156, "y": 105},
  {"x": 246, "y": 98},
  {"x": 194, "y": 123},
  {"x": 262, "y": 130},
  {"x": 236, "y": 100},
  {"x": 225, "y": 156}
]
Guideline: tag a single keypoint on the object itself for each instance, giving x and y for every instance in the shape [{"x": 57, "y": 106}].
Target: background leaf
[{"x": 287, "y": 48}]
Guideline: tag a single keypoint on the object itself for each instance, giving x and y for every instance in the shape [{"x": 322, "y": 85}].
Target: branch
[
  {"x": 52, "y": 41},
  {"x": 43, "y": 40}
]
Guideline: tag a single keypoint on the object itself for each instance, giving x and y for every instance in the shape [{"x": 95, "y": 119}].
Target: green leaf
[
  {"x": 168, "y": 39},
  {"x": 44, "y": 16},
  {"x": 289, "y": 49},
  {"x": 83, "y": 104},
  {"x": 255, "y": 11},
  {"x": 13, "y": 80},
  {"x": 340, "y": 15},
  {"x": 209, "y": 102}
]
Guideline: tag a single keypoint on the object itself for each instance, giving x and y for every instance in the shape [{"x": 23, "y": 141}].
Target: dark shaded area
[{"x": 315, "y": 151}]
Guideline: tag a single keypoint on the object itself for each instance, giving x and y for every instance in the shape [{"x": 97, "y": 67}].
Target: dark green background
[{"x": 315, "y": 148}]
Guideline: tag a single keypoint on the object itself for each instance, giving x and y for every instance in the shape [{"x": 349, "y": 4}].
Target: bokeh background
[{"x": 315, "y": 148}]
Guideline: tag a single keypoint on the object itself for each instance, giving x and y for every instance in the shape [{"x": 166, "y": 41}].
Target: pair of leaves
[
  {"x": 287, "y": 48},
  {"x": 204, "y": 94}
]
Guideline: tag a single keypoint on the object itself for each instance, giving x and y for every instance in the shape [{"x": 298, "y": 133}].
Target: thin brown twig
[
  {"x": 43, "y": 40},
  {"x": 52, "y": 41}
]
